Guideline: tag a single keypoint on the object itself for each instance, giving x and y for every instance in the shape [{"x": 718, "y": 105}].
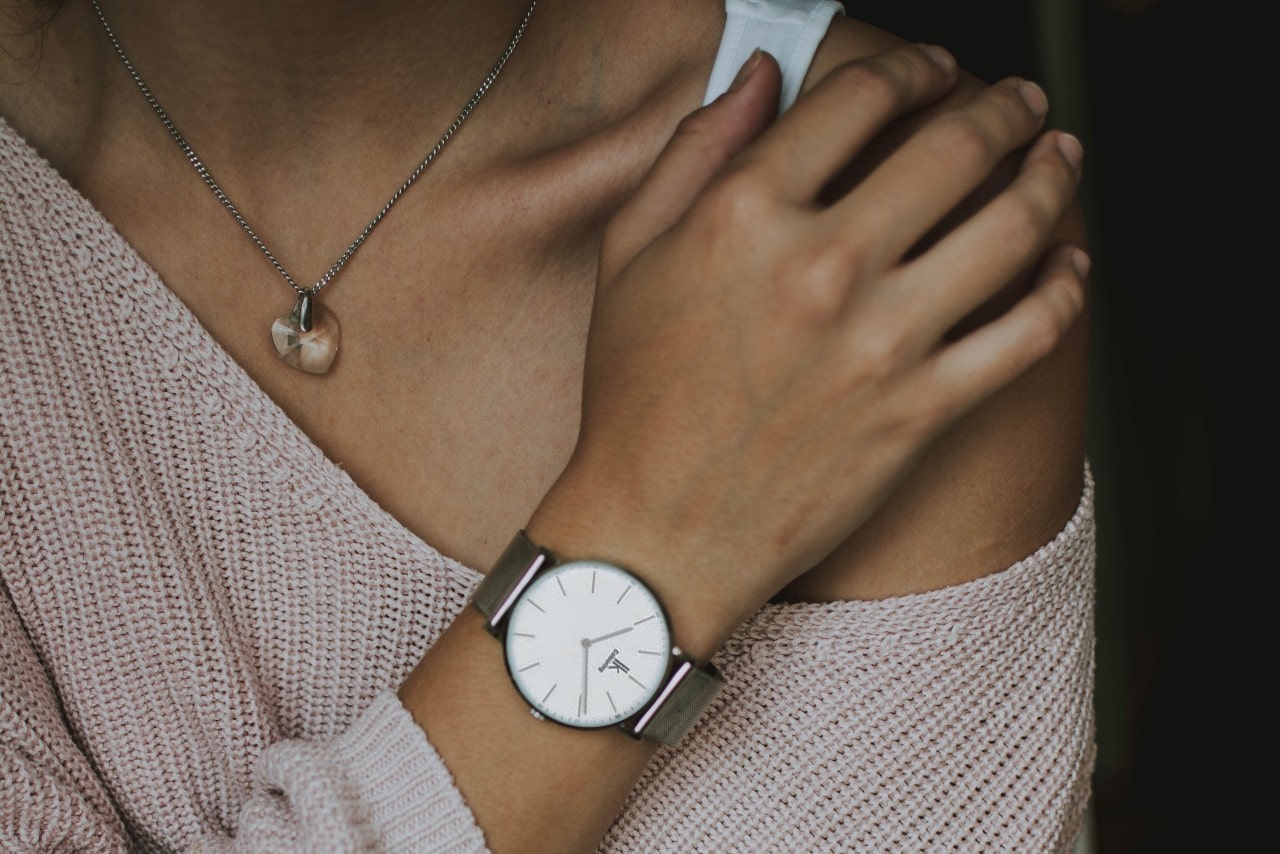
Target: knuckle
[
  {"x": 873, "y": 82},
  {"x": 738, "y": 200},
  {"x": 1044, "y": 330},
  {"x": 1063, "y": 178},
  {"x": 818, "y": 285},
  {"x": 695, "y": 123},
  {"x": 700, "y": 131},
  {"x": 1014, "y": 114},
  {"x": 863, "y": 249},
  {"x": 877, "y": 354},
  {"x": 918, "y": 66},
  {"x": 1024, "y": 225},
  {"x": 961, "y": 139}
]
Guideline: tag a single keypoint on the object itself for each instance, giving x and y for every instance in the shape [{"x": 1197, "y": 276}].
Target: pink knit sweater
[{"x": 204, "y": 620}]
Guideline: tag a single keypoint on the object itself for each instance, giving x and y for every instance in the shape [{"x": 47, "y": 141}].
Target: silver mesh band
[
  {"x": 499, "y": 590},
  {"x": 687, "y": 694}
]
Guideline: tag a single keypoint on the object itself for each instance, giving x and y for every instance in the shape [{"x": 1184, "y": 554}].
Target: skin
[{"x": 952, "y": 436}]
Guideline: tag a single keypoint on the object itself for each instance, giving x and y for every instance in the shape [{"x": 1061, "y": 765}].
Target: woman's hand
[{"x": 762, "y": 368}]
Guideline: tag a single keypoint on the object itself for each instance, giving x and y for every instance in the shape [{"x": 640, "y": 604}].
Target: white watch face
[{"x": 587, "y": 644}]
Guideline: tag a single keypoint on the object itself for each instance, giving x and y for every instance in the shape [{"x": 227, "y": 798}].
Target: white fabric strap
[{"x": 788, "y": 30}]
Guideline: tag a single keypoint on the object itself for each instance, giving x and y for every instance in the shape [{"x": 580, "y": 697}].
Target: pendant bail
[{"x": 302, "y": 312}]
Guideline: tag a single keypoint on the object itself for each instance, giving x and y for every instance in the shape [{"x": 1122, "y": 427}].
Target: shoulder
[{"x": 1005, "y": 479}]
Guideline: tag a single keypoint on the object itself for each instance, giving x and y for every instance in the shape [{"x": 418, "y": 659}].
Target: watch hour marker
[
  {"x": 635, "y": 680},
  {"x": 530, "y": 667},
  {"x": 548, "y": 696},
  {"x": 625, "y": 592},
  {"x": 644, "y": 620},
  {"x": 611, "y": 702},
  {"x": 648, "y": 652},
  {"x": 560, "y": 581},
  {"x": 535, "y": 604},
  {"x": 582, "y": 704},
  {"x": 593, "y": 581},
  {"x": 523, "y": 634}
]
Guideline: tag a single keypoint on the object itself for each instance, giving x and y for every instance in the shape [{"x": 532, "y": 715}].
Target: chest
[{"x": 454, "y": 399}]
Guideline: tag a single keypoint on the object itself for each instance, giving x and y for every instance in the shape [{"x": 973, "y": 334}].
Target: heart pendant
[{"x": 307, "y": 337}]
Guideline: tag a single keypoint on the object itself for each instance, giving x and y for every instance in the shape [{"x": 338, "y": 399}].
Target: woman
[{"x": 831, "y": 397}]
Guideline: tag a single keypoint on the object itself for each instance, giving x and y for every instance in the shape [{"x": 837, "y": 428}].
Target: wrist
[{"x": 703, "y": 613}]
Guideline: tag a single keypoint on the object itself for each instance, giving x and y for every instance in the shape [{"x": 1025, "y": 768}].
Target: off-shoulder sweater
[{"x": 204, "y": 620}]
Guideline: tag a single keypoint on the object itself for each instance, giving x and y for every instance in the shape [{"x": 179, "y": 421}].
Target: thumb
[{"x": 702, "y": 144}]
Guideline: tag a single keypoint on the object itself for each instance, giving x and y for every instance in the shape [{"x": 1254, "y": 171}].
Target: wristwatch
[{"x": 588, "y": 645}]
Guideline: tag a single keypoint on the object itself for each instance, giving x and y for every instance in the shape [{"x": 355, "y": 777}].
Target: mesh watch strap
[
  {"x": 684, "y": 696},
  {"x": 687, "y": 694},
  {"x": 498, "y": 591}
]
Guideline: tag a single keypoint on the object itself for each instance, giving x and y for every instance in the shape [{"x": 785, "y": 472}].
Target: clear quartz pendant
[{"x": 307, "y": 337}]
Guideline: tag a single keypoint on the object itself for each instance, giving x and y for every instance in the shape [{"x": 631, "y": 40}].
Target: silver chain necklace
[{"x": 307, "y": 337}]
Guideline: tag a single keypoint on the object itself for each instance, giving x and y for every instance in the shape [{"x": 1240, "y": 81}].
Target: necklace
[{"x": 307, "y": 337}]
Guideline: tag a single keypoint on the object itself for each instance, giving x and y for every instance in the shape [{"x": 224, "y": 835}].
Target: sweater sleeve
[
  {"x": 955, "y": 720},
  {"x": 378, "y": 785}
]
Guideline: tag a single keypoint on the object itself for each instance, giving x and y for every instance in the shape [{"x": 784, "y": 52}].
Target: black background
[{"x": 1157, "y": 101}]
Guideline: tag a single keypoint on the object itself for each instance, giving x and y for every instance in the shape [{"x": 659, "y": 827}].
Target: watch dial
[{"x": 587, "y": 644}]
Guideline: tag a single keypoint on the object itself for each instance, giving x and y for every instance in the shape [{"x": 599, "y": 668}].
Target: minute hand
[{"x": 610, "y": 635}]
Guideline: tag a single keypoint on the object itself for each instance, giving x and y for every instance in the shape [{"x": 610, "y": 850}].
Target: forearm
[{"x": 533, "y": 785}]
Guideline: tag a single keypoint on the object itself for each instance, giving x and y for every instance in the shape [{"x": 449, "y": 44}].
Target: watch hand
[
  {"x": 610, "y": 635},
  {"x": 586, "y": 652}
]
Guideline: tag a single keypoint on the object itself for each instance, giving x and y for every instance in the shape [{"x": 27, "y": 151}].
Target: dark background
[{"x": 1145, "y": 84}]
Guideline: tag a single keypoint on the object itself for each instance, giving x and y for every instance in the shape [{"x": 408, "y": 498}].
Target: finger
[
  {"x": 829, "y": 125},
  {"x": 935, "y": 169},
  {"x": 703, "y": 142},
  {"x": 962, "y": 374},
  {"x": 995, "y": 245}
]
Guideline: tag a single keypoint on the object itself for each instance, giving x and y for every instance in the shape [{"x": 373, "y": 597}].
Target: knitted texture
[{"x": 204, "y": 620}]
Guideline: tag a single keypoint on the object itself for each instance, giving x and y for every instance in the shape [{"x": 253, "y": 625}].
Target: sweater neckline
[
  {"x": 43, "y": 179},
  {"x": 16, "y": 150}
]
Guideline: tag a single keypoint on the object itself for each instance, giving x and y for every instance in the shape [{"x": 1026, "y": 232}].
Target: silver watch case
[{"x": 670, "y": 710}]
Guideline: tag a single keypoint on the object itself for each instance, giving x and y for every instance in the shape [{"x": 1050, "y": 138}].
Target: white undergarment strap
[{"x": 788, "y": 30}]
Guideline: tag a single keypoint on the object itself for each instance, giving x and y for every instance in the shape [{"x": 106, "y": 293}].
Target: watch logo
[{"x": 614, "y": 663}]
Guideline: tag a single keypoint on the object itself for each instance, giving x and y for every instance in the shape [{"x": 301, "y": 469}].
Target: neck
[
  {"x": 294, "y": 104},
  {"x": 296, "y": 60}
]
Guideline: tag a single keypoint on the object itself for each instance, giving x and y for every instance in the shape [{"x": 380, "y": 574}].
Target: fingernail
[
  {"x": 1034, "y": 97},
  {"x": 941, "y": 57},
  {"x": 1081, "y": 262},
  {"x": 745, "y": 72},
  {"x": 1071, "y": 149}
]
